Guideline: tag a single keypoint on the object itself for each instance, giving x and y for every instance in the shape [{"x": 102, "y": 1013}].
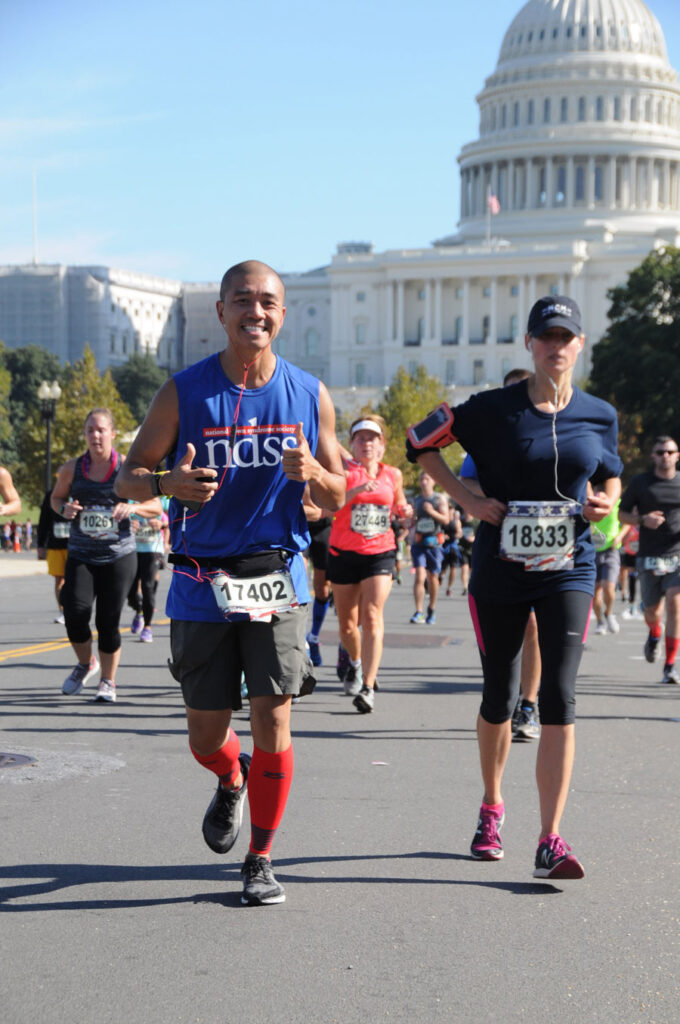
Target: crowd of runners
[{"x": 237, "y": 476}]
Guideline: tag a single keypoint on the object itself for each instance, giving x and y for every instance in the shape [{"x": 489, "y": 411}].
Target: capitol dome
[
  {"x": 579, "y": 126},
  {"x": 593, "y": 26}
]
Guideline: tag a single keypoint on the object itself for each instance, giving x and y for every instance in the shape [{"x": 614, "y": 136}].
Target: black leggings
[
  {"x": 147, "y": 563},
  {"x": 562, "y": 620},
  {"x": 108, "y": 585}
]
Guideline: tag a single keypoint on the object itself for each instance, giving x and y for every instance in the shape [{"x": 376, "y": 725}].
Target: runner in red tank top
[{"x": 362, "y": 553}]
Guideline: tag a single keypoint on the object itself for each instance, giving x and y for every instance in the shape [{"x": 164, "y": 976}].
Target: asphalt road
[{"x": 114, "y": 910}]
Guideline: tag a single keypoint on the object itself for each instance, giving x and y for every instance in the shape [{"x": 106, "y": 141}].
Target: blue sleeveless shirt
[{"x": 257, "y": 508}]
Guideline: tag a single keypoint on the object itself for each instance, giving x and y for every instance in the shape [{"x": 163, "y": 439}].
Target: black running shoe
[
  {"x": 342, "y": 667},
  {"x": 554, "y": 859},
  {"x": 651, "y": 648},
  {"x": 259, "y": 885},
  {"x": 222, "y": 821},
  {"x": 364, "y": 701}
]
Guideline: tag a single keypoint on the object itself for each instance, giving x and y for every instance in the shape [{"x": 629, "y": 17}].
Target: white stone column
[
  {"x": 438, "y": 311},
  {"x": 570, "y": 197},
  {"x": 493, "y": 325},
  {"x": 531, "y": 293},
  {"x": 549, "y": 182},
  {"x": 400, "y": 312},
  {"x": 666, "y": 184},
  {"x": 510, "y": 198},
  {"x": 522, "y": 305},
  {"x": 466, "y": 311},
  {"x": 610, "y": 183},
  {"x": 531, "y": 185},
  {"x": 427, "y": 334},
  {"x": 389, "y": 311},
  {"x": 653, "y": 188},
  {"x": 632, "y": 182}
]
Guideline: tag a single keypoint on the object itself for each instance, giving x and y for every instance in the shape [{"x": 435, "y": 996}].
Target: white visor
[{"x": 366, "y": 425}]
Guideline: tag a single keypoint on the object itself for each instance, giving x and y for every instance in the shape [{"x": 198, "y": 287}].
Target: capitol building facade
[{"x": 574, "y": 178}]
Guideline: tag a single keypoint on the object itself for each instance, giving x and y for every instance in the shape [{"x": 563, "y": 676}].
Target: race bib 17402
[{"x": 258, "y": 597}]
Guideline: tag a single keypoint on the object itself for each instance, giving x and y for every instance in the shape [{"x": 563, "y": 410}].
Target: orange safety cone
[{"x": 17, "y": 543}]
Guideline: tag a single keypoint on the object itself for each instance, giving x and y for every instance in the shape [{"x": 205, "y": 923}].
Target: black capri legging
[
  {"x": 562, "y": 620},
  {"x": 108, "y": 585}
]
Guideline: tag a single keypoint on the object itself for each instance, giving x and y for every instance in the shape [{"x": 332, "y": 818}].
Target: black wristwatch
[{"x": 156, "y": 491}]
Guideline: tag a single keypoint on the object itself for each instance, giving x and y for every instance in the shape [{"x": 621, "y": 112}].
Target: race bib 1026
[{"x": 98, "y": 523}]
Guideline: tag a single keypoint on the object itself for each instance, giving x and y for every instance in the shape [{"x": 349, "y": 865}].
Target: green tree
[
  {"x": 5, "y": 418},
  {"x": 27, "y": 367},
  {"x": 636, "y": 365},
  {"x": 83, "y": 387},
  {"x": 408, "y": 399},
  {"x": 137, "y": 381}
]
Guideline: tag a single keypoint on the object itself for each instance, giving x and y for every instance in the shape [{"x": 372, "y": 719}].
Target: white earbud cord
[{"x": 597, "y": 535}]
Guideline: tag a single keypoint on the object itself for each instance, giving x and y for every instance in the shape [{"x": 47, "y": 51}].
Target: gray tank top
[{"x": 95, "y": 536}]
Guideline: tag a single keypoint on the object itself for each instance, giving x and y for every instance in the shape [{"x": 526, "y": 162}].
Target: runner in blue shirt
[{"x": 243, "y": 432}]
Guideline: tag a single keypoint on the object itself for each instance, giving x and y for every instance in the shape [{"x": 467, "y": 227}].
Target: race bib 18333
[{"x": 540, "y": 534}]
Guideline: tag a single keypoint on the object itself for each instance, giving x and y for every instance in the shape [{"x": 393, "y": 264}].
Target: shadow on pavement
[{"x": 57, "y": 877}]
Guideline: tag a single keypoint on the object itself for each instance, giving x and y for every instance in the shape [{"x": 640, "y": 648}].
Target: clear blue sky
[{"x": 177, "y": 138}]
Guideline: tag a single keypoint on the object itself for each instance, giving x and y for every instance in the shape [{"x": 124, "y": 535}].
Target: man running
[
  {"x": 652, "y": 503},
  {"x": 243, "y": 432}
]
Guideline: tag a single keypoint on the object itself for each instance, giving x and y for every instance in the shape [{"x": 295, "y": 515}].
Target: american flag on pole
[{"x": 494, "y": 205}]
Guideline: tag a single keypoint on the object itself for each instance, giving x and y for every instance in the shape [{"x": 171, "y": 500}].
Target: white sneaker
[
  {"x": 613, "y": 624},
  {"x": 106, "y": 691},
  {"x": 79, "y": 677},
  {"x": 601, "y": 628},
  {"x": 59, "y": 619}
]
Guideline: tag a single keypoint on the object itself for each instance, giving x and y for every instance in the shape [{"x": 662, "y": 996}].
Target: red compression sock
[
  {"x": 269, "y": 780},
  {"x": 672, "y": 644},
  {"x": 656, "y": 631},
  {"x": 224, "y": 762}
]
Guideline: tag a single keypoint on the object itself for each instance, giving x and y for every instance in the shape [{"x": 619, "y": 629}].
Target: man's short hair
[
  {"x": 239, "y": 269},
  {"x": 515, "y": 376},
  {"x": 664, "y": 439}
]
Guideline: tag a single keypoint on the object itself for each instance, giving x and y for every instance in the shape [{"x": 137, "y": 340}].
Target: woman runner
[
  {"x": 362, "y": 554},
  {"x": 536, "y": 446},
  {"x": 102, "y": 554}
]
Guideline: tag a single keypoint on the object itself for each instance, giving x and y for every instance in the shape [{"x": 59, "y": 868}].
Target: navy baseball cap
[{"x": 554, "y": 311}]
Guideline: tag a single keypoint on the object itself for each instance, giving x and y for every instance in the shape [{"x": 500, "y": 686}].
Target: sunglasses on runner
[{"x": 670, "y": 451}]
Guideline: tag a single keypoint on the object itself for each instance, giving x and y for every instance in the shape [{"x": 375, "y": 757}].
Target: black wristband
[{"x": 413, "y": 453}]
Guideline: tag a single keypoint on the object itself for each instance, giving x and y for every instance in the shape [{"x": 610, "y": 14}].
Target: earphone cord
[{"x": 232, "y": 437}]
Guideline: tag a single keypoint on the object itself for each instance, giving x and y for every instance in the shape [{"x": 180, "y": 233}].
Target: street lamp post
[{"x": 49, "y": 395}]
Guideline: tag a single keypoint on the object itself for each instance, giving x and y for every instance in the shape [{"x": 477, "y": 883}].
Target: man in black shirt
[{"x": 652, "y": 503}]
